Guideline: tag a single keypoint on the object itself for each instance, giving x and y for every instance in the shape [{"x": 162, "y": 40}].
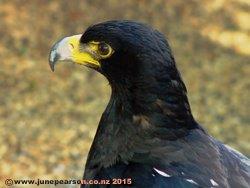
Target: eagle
[{"x": 147, "y": 135}]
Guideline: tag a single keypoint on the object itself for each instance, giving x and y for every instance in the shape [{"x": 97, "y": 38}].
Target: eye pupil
[{"x": 103, "y": 48}]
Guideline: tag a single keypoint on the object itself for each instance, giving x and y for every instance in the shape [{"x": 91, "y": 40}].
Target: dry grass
[{"x": 47, "y": 120}]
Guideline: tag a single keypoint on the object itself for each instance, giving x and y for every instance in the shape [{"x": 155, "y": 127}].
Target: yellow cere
[
  {"x": 82, "y": 57},
  {"x": 93, "y": 45}
]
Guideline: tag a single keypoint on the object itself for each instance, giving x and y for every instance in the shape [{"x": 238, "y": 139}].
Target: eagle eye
[{"x": 104, "y": 50}]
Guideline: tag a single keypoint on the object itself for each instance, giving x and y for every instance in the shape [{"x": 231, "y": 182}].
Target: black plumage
[{"x": 147, "y": 132}]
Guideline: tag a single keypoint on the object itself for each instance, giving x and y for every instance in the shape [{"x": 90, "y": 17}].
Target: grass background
[{"x": 48, "y": 120}]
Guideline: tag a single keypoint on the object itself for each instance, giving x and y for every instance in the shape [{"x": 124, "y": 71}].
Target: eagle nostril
[{"x": 72, "y": 46}]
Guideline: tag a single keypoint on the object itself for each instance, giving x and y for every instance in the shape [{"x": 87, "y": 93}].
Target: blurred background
[{"x": 48, "y": 120}]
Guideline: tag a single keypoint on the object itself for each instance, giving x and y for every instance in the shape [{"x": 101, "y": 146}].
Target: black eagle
[{"x": 147, "y": 136}]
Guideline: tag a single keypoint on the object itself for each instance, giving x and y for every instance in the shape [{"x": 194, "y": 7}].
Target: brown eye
[{"x": 104, "y": 49}]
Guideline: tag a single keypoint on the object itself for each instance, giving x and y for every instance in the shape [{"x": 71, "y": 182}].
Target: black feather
[{"x": 148, "y": 126}]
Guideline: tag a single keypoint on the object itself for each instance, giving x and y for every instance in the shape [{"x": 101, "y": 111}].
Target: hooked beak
[{"x": 70, "y": 49}]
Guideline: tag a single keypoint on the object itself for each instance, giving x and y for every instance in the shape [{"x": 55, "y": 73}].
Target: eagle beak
[{"x": 70, "y": 49}]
